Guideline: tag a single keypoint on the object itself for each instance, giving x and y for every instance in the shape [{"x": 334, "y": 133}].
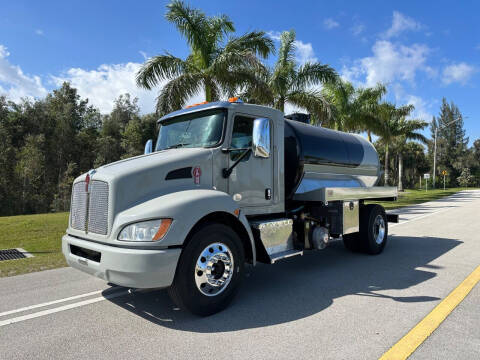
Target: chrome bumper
[{"x": 125, "y": 267}]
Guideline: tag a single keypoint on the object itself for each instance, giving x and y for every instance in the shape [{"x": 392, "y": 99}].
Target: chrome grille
[
  {"x": 78, "y": 211},
  {"x": 97, "y": 204},
  {"x": 98, "y": 208}
]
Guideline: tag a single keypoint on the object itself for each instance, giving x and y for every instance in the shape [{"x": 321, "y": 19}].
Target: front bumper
[{"x": 134, "y": 268}]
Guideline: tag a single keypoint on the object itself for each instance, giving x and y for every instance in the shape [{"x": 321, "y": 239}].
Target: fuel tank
[{"x": 317, "y": 157}]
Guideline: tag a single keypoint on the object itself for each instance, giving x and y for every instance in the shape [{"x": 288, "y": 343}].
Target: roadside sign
[
  {"x": 444, "y": 173},
  {"x": 426, "y": 177}
]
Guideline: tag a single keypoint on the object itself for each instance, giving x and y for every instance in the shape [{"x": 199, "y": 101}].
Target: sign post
[
  {"x": 426, "y": 177},
  {"x": 444, "y": 173}
]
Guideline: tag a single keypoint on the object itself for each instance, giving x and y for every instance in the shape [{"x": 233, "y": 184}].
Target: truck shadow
[{"x": 300, "y": 287}]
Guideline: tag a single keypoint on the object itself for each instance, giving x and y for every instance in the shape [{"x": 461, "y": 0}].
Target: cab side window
[
  {"x": 241, "y": 136},
  {"x": 242, "y": 132}
]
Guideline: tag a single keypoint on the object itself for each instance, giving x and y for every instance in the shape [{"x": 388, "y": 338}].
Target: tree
[
  {"x": 465, "y": 178},
  {"x": 407, "y": 130},
  {"x": 353, "y": 109},
  {"x": 124, "y": 110},
  {"x": 214, "y": 66},
  {"x": 111, "y": 145},
  {"x": 415, "y": 163},
  {"x": 61, "y": 200},
  {"x": 297, "y": 85},
  {"x": 451, "y": 140},
  {"x": 31, "y": 170},
  {"x": 392, "y": 125}
]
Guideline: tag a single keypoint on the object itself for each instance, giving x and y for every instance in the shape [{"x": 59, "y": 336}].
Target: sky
[{"x": 422, "y": 50}]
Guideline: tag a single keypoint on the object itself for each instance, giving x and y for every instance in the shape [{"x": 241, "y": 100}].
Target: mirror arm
[{"x": 227, "y": 172}]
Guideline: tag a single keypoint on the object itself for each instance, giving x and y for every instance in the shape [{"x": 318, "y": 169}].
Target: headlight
[{"x": 152, "y": 230}]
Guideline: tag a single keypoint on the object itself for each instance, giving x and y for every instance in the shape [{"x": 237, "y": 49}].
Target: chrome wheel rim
[
  {"x": 379, "y": 229},
  {"x": 214, "y": 269}
]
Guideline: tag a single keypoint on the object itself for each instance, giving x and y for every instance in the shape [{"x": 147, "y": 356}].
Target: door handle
[{"x": 268, "y": 194}]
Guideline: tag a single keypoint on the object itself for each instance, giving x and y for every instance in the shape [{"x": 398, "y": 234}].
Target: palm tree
[
  {"x": 288, "y": 82},
  {"x": 353, "y": 109},
  {"x": 214, "y": 66},
  {"x": 408, "y": 130},
  {"x": 393, "y": 126}
]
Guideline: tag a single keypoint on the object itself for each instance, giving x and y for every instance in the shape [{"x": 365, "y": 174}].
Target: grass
[
  {"x": 412, "y": 197},
  {"x": 41, "y": 235}
]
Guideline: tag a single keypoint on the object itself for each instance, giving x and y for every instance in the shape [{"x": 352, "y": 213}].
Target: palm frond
[
  {"x": 311, "y": 100},
  {"x": 220, "y": 26},
  {"x": 192, "y": 24},
  {"x": 314, "y": 74},
  {"x": 256, "y": 41},
  {"x": 159, "y": 68},
  {"x": 286, "y": 53},
  {"x": 177, "y": 91}
]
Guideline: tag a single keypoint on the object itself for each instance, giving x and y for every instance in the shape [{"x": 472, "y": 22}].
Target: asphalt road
[{"x": 330, "y": 304}]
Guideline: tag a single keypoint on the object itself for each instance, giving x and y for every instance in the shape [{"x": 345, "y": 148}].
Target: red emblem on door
[{"x": 197, "y": 172}]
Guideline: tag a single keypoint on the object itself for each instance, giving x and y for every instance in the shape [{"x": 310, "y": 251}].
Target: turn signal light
[{"x": 162, "y": 230}]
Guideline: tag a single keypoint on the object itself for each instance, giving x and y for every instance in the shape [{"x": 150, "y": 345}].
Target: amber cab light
[{"x": 193, "y": 105}]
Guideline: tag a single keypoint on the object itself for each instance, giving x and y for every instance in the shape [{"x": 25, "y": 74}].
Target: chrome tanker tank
[{"x": 317, "y": 157}]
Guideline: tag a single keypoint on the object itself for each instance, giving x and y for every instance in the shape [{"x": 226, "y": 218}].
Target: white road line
[
  {"x": 26, "y": 308},
  {"x": 62, "y": 308},
  {"x": 420, "y": 217}
]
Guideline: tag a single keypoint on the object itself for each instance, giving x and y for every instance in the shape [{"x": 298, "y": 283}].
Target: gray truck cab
[{"x": 212, "y": 195}]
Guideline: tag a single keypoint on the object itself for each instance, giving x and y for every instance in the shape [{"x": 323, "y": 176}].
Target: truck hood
[{"x": 141, "y": 178}]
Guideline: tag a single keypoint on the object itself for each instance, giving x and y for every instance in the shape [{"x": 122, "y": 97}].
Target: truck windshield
[{"x": 199, "y": 129}]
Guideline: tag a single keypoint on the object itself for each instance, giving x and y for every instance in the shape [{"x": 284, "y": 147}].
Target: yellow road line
[{"x": 415, "y": 337}]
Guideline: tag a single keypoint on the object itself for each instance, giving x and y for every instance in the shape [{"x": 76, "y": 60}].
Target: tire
[
  {"x": 373, "y": 229},
  {"x": 202, "y": 290}
]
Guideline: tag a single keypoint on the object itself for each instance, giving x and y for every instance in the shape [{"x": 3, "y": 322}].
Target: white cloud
[
  {"x": 401, "y": 23},
  {"x": 104, "y": 84},
  {"x": 421, "y": 108},
  {"x": 39, "y": 32},
  {"x": 101, "y": 86},
  {"x": 329, "y": 24},
  {"x": 357, "y": 29},
  {"x": 14, "y": 84},
  {"x": 304, "y": 51},
  {"x": 389, "y": 62},
  {"x": 459, "y": 73}
]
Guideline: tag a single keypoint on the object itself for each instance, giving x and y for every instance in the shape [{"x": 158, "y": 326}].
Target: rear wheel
[
  {"x": 209, "y": 271},
  {"x": 373, "y": 229},
  {"x": 373, "y": 233}
]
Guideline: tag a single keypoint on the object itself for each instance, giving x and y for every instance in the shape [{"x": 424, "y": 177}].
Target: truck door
[{"x": 251, "y": 182}]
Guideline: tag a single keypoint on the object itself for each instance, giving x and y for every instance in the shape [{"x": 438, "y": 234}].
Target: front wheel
[{"x": 209, "y": 271}]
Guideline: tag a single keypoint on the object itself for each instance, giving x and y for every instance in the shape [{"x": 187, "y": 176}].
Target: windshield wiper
[{"x": 176, "y": 146}]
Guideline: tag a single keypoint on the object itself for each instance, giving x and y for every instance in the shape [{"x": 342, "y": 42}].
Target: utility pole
[{"x": 435, "y": 156}]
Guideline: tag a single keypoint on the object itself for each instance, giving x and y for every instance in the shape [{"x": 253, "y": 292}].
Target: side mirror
[
  {"x": 261, "y": 138},
  {"x": 148, "y": 147}
]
